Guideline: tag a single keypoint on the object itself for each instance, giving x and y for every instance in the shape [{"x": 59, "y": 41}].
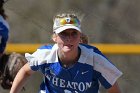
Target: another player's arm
[
  {"x": 21, "y": 78},
  {"x": 114, "y": 89}
]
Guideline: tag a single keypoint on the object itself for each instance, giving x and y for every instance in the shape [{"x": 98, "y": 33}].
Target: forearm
[{"x": 20, "y": 80}]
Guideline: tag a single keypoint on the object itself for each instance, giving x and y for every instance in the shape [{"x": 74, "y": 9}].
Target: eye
[
  {"x": 74, "y": 33},
  {"x": 63, "y": 33}
]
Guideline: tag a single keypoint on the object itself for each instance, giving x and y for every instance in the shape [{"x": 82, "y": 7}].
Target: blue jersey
[
  {"x": 91, "y": 69},
  {"x": 4, "y": 30}
]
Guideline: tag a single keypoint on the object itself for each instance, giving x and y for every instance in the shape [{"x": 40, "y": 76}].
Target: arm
[
  {"x": 114, "y": 89},
  {"x": 20, "y": 78}
]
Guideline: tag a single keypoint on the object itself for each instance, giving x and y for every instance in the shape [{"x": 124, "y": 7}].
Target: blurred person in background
[
  {"x": 9, "y": 63},
  {"x": 69, "y": 66},
  {"x": 4, "y": 30}
]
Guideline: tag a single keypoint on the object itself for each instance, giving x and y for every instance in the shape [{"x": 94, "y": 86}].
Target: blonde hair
[{"x": 84, "y": 39}]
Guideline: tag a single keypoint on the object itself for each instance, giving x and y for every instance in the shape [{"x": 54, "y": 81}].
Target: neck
[{"x": 68, "y": 59}]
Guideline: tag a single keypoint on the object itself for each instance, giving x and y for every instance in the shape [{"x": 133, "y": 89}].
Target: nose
[{"x": 69, "y": 37}]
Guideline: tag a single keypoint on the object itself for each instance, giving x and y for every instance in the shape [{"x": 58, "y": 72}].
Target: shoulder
[
  {"x": 101, "y": 64},
  {"x": 41, "y": 56},
  {"x": 91, "y": 49},
  {"x": 44, "y": 50},
  {"x": 92, "y": 54},
  {"x": 89, "y": 53}
]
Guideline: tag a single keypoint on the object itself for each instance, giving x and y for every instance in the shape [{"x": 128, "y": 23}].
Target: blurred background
[{"x": 104, "y": 21}]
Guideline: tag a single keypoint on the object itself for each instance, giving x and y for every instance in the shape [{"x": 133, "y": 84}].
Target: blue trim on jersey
[
  {"x": 46, "y": 47},
  {"x": 103, "y": 81}
]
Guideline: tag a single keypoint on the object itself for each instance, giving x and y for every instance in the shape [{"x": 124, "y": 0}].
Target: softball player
[{"x": 69, "y": 67}]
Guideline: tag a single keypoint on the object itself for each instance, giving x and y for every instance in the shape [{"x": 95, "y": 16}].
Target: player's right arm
[
  {"x": 21, "y": 78},
  {"x": 114, "y": 89}
]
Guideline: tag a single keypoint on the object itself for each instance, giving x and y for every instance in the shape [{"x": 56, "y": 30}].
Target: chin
[{"x": 67, "y": 50}]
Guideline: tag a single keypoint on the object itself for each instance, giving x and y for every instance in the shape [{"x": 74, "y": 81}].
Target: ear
[{"x": 54, "y": 37}]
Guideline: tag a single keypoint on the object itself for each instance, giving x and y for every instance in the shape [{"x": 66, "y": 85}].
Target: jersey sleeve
[
  {"x": 108, "y": 73},
  {"x": 37, "y": 59}
]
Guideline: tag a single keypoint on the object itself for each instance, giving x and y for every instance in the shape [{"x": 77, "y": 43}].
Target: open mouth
[{"x": 69, "y": 45}]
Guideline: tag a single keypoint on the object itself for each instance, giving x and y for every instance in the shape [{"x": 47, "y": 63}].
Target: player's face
[{"x": 68, "y": 40}]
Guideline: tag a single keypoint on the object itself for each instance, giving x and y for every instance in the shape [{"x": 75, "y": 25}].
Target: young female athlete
[{"x": 69, "y": 67}]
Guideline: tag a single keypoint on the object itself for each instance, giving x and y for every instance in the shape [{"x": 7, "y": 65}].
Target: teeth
[{"x": 69, "y": 45}]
